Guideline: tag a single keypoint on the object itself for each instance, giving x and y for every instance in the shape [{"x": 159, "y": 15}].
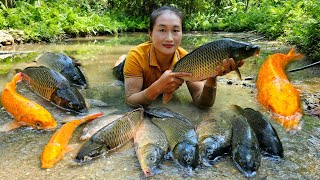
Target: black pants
[{"x": 118, "y": 71}]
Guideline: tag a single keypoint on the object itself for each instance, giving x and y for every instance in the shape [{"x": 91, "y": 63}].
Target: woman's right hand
[{"x": 171, "y": 81}]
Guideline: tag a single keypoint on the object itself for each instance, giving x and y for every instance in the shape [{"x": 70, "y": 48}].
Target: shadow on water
[{"x": 20, "y": 149}]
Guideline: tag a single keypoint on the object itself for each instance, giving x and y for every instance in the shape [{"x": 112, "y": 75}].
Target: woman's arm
[
  {"x": 167, "y": 83},
  {"x": 204, "y": 93}
]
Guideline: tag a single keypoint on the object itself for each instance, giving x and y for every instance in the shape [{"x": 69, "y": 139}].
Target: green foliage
[{"x": 293, "y": 21}]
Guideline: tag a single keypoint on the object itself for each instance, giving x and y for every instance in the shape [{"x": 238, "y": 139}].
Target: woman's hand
[
  {"x": 171, "y": 81},
  {"x": 227, "y": 66}
]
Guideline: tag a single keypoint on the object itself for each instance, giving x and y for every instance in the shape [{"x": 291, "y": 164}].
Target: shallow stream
[{"x": 20, "y": 149}]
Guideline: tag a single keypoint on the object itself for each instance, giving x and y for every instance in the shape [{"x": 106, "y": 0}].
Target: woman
[{"x": 147, "y": 67}]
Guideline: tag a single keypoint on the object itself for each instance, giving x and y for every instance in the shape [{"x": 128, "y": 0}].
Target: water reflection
[{"x": 21, "y": 149}]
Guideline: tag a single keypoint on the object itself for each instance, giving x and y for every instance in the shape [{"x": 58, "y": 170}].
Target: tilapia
[
  {"x": 205, "y": 61},
  {"x": 276, "y": 93},
  {"x": 150, "y": 145},
  {"x": 94, "y": 126},
  {"x": 182, "y": 138},
  {"x": 245, "y": 147},
  {"x": 112, "y": 136},
  {"x": 53, "y": 87},
  {"x": 58, "y": 144},
  {"x": 269, "y": 141},
  {"x": 24, "y": 111},
  {"x": 214, "y": 140},
  {"x": 65, "y": 65}
]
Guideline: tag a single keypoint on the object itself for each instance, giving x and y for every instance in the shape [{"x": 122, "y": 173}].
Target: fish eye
[
  {"x": 152, "y": 158},
  {"x": 247, "y": 48},
  {"x": 70, "y": 105},
  {"x": 38, "y": 124}
]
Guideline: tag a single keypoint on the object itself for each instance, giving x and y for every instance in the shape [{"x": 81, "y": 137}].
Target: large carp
[
  {"x": 150, "y": 145},
  {"x": 269, "y": 141},
  {"x": 24, "y": 111},
  {"x": 94, "y": 126},
  {"x": 214, "y": 140},
  {"x": 276, "y": 93},
  {"x": 245, "y": 147},
  {"x": 205, "y": 61},
  {"x": 182, "y": 138},
  {"x": 64, "y": 65},
  {"x": 112, "y": 136},
  {"x": 53, "y": 87}
]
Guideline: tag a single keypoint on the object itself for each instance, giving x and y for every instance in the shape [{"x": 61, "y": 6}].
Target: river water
[{"x": 20, "y": 149}]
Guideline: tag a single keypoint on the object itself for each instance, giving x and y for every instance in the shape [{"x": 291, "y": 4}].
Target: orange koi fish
[
  {"x": 24, "y": 111},
  {"x": 58, "y": 144},
  {"x": 276, "y": 93}
]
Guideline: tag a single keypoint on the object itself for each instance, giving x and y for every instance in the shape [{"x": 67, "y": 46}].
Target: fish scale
[
  {"x": 214, "y": 127},
  {"x": 53, "y": 87},
  {"x": 174, "y": 135},
  {"x": 205, "y": 61},
  {"x": 150, "y": 133},
  {"x": 150, "y": 146},
  {"x": 114, "y": 135}
]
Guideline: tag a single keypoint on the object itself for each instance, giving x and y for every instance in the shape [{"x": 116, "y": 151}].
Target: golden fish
[
  {"x": 24, "y": 111},
  {"x": 58, "y": 144},
  {"x": 275, "y": 92}
]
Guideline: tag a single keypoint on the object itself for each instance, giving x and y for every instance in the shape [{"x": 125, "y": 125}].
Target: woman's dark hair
[{"x": 156, "y": 13}]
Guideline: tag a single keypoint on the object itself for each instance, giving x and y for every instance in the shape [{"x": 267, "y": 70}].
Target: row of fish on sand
[{"x": 160, "y": 134}]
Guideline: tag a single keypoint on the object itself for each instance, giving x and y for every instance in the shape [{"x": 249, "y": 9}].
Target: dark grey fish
[
  {"x": 112, "y": 136},
  {"x": 54, "y": 87},
  {"x": 150, "y": 145},
  {"x": 162, "y": 112},
  {"x": 214, "y": 140},
  {"x": 182, "y": 138},
  {"x": 64, "y": 65},
  {"x": 245, "y": 147},
  {"x": 269, "y": 141}
]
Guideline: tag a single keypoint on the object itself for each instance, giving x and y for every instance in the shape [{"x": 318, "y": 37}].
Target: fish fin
[
  {"x": 10, "y": 126},
  {"x": 238, "y": 73},
  {"x": 166, "y": 97},
  {"x": 295, "y": 56}
]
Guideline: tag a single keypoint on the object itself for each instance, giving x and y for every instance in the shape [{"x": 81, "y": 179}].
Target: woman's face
[{"x": 167, "y": 33}]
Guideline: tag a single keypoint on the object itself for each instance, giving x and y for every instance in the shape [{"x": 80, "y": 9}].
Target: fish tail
[
  {"x": 166, "y": 97},
  {"x": 92, "y": 117},
  {"x": 292, "y": 55}
]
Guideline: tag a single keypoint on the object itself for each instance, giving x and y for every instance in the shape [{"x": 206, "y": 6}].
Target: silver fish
[
  {"x": 182, "y": 138},
  {"x": 214, "y": 140},
  {"x": 150, "y": 145}
]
